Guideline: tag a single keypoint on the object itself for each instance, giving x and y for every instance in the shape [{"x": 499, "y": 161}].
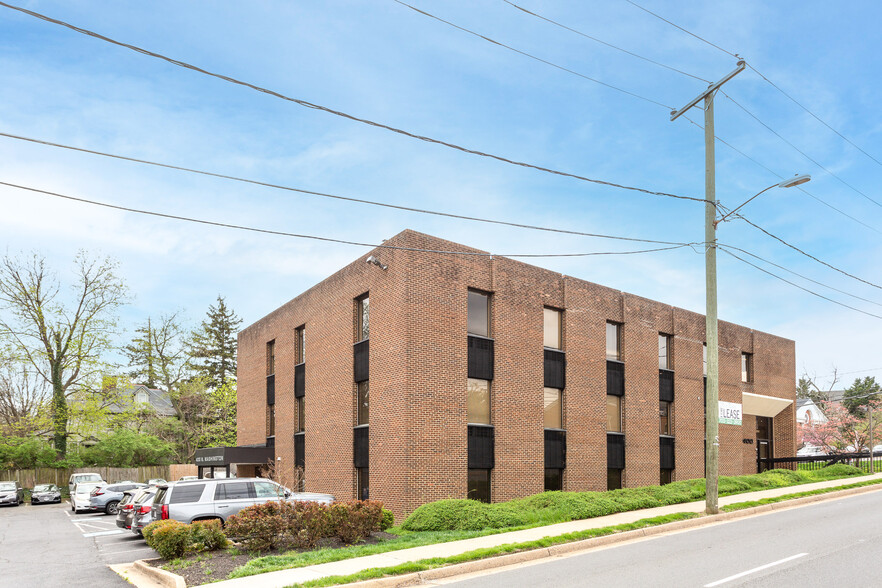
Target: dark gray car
[
  {"x": 11, "y": 493},
  {"x": 43, "y": 493},
  {"x": 142, "y": 513},
  {"x": 199, "y": 500},
  {"x": 107, "y": 497}
]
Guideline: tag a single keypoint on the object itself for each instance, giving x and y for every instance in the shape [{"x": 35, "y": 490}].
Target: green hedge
[{"x": 556, "y": 507}]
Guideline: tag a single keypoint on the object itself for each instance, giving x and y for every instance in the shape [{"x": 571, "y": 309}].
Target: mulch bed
[{"x": 212, "y": 566}]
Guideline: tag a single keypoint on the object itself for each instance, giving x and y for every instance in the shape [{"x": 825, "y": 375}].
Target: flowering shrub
[
  {"x": 355, "y": 520},
  {"x": 171, "y": 540},
  {"x": 207, "y": 536}
]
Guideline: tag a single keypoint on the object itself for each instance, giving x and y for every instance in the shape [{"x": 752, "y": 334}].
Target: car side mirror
[{"x": 287, "y": 494}]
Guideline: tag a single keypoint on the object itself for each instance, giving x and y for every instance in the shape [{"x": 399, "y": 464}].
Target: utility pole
[{"x": 712, "y": 411}]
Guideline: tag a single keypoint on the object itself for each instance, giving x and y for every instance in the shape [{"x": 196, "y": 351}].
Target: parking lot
[{"x": 48, "y": 544}]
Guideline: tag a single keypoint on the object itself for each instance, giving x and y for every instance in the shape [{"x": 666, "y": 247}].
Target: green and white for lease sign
[{"x": 730, "y": 413}]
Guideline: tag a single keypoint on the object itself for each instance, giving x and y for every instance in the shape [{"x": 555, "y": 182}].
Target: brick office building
[{"x": 435, "y": 374}]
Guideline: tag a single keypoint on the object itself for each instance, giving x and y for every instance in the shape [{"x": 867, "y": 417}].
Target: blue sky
[{"x": 382, "y": 61}]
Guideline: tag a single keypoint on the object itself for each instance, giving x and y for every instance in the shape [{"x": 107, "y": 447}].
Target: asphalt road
[
  {"x": 48, "y": 545},
  {"x": 834, "y": 543}
]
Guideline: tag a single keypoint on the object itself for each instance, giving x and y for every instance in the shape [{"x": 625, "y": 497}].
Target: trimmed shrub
[
  {"x": 307, "y": 523},
  {"x": 355, "y": 520},
  {"x": 208, "y": 536},
  {"x": 388, "y": 520},
  {"x": 836, "y": 471},
  {"x": 259, "y": 527},
  {"x": 152, "y": 527},
  {"x": 173, "y": 540}
]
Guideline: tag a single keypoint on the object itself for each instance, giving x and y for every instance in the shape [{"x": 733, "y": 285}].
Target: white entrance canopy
[{"x": 766, "y": 406}]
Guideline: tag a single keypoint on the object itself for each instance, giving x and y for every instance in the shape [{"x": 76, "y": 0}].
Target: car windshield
[
  {"x": 88, "y": 478},
  {"x": 42, "y": 487},
  {"x": 7, "y": 486}
]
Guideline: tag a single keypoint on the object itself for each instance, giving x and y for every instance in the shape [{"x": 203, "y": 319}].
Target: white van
[{"x": 77, "y": 478}]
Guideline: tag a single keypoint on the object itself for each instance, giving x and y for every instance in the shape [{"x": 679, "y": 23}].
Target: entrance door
[{"x": 763, "y": 442}]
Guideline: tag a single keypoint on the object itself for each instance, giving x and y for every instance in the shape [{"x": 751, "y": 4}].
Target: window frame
[
  {"x": 619, "y": 401},
  {"x": 558, "y": 315},
  {"x": 474, "y": 493},
  {"x": 546, "y": 404},
  {"x": 618, "y": 341},
  {"x": 363, "y": 317},
  {"x": 300, "y": 345},
  {"x": 666, "y": 420},
  {"x": 668, "y": 355},
  {"x": 271, "y": 358},
  {"x": 486, "y": 297},
  {"x": 362, "y": 403},
  {"x": 746, "y": 367},
  {"x": 301, "y": 414},
  {"x": 469, "y": 403},
  {"x": 270, "y": 420}
]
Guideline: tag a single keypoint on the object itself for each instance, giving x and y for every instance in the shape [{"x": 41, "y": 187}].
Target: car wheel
[{"x": 112, "y": 507}]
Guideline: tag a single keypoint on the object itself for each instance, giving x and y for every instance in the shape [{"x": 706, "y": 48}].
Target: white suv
[{"x": 77, "y": 478}]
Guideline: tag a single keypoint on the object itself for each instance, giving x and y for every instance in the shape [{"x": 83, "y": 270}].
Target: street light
[{"x": 788, "y": 183}]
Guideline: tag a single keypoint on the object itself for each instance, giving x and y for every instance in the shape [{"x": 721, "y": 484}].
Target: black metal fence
[{"x": 817, "y": 462}]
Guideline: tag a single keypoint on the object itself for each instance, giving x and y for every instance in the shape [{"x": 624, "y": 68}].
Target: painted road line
[
  {"x": 143, "y": 549},
  {"x": 79, "y": 525},
  {"x": 754, "y": 570},
  {"x": 99, "y": 533}
]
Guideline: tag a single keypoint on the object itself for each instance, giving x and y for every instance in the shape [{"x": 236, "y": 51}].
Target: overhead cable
[
  {"x": 602, "y": 42},
  {"x": 341, "y": 114},
  {"x": 795, "y": 285},
  {"x": 803, "y": 153},
  {"x": 333, "y": 196},
  {"x": 320, "y": 238},
  {"x": 531, "y": 56}
]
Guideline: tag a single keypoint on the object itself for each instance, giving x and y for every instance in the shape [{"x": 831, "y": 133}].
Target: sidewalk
[{"x": 285, "y": 578}]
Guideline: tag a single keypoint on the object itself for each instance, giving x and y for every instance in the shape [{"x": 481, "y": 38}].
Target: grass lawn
[{"x": 451, "y": 520}]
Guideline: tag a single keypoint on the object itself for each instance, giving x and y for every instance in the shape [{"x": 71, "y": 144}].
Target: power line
[
  {"x": 602, "y": 42},
  {"x": 815, "y": 116},
  {"x": 332, "y": 196},
  {"x": 803, "y": 153},
  {"x": 702, "y": 39},
  {"x": 780, "y": 177},
  {"x": 781, "y": 267},
  {"x": 531, "y": 56},
  {"x": 760, "y": 74},
  {"x": 320, "y": 238},
  {"x": 809, "y": 255},
  {"x": 795, "y": 285},
  {"x": 341, "y": 114}
]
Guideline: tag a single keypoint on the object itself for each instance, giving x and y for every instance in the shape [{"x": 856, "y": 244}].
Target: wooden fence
[{"x": 60, "y": 477}]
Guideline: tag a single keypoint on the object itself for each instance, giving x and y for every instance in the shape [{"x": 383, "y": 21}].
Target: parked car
[
  {"x": 186, "y": 478},
  {"x": 77, "y": 478},
  {"x": 142, "y": 513},
  {"x": 810, "y": 450},
  {"x": 106, "y": 497},
  {"x": 79, "y": 498},
  {"x": 43, "y": 493},
  {"x": 156, "y": 481},
  {"x": 196, "y": 500},
  {"x": 124, "y": 509},
  {"x": 11, "y": 493}
]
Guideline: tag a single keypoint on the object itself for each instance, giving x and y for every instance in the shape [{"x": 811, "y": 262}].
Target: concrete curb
[
  {"x": 562, "y": 549},
  {"x": 163, "y": 577}
]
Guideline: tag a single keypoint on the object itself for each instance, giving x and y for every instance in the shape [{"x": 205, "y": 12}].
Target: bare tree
[
  {"x": 157, "y": 353},
  {"x": 24, "y": 398},
  {"x": 61, "y": 337}
]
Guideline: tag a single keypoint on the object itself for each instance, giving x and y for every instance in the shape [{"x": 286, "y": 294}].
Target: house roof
[{"x": 158, "y": 400}]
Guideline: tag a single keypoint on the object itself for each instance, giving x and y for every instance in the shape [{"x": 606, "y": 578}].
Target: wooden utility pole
[{"x": 712, "y": 411}]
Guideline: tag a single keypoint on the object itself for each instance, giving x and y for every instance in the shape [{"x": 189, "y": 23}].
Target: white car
[
  {"x": 82, "y": 477},
  {"x": 810, "y": 450},
  {"x": 79, "y": 498}
]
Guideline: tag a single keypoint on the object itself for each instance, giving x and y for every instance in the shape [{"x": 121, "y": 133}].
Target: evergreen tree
[
  {"x": 860, "y": 395},
  {"x": 142, "y": 357},
  {"x": 213, "y": 345},
  {"x": 157, "y": 356}
]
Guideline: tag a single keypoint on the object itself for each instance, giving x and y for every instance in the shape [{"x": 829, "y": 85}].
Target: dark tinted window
[
  {"x": 188, "y": 493},
  {"x": 233, "y": 491},
  {"x": 160, "y": 495}
]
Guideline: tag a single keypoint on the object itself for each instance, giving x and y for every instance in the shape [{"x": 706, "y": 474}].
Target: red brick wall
[{"x": 418, "y": 369}]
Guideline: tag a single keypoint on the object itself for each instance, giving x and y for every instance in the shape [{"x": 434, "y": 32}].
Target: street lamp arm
[{"x": 731, "y": 212}]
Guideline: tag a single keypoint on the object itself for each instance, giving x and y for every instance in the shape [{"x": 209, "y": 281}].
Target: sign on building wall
[{"x": 730, "y": 413}]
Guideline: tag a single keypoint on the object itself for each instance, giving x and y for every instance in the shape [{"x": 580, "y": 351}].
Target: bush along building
[{"x": 428, "y": 370}]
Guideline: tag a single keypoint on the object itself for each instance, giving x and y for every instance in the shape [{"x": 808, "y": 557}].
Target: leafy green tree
[
  {"x": 157, "y": 354},
  {"x": 861, "y": 394},
  {"x": 25, "y": 453},
  {"x": 24, "y": 398},
  {"x": 62, "y": 338},
  {"x": 126, "y": 449},
  {"x": 213, "y": 345}
]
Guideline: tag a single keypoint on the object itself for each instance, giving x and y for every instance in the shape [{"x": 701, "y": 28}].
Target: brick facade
[{"x": 418, "y": 371}]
